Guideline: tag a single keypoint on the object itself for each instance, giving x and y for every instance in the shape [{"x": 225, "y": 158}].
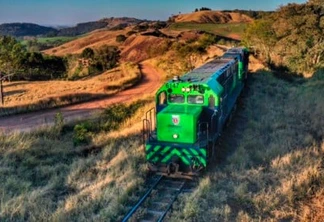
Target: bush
[
  {"x": 120, "y": 38},
  {"x": 130, "y": 33},
  {"x": 81, "y": 134}
]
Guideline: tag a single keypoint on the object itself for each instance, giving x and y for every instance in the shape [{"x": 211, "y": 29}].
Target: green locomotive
[{"x": 181, "y": 131}]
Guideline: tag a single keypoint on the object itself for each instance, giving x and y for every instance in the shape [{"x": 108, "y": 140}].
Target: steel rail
[
  {"x": 138, "y": 204},
  {"x": 171, "y": 203}
]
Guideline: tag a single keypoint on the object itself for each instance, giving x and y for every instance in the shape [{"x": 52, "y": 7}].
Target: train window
[
  {"x": 176, "y": 98},
  {"x": 198, "y": 99}
]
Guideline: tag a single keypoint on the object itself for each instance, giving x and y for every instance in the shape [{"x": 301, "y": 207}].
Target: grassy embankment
[
  {"x": 42, "y": 43},
  {"x": 226, "y": 30},
  {"x": 270, "y": 164},
  {"x": 30, "y": 96},
  {"x": 81, "y": 173}
]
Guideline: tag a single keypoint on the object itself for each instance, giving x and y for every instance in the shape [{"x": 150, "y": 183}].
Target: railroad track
[{"x": 162, "y": 192}]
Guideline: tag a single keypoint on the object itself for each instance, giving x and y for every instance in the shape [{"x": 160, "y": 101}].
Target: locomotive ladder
[{"x": 158, "y": 200}]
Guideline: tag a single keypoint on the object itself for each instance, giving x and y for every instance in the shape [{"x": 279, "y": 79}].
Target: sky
[{"x": 71, "y": 12}]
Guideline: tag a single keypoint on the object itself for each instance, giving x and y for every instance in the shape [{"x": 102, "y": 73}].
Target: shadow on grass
[
  {"x": 14, "y": 84},
  {"x": 53, "y": 102},
  {"x": 276, "y": 122},
  {"x": 53, "y": 179}
]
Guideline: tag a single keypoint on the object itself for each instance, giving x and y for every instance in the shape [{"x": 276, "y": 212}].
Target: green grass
[
  {"x": 219, "y": 29},
  {"x": 51, "y": 40},
  {"x": 62, "y": 39}
]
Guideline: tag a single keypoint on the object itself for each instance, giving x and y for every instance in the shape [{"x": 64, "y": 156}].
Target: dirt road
[{"x": 26, "y": 122}]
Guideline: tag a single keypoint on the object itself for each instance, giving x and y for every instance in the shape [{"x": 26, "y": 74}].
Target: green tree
[
  {"x": 107, "y": 57},
  {"x": 293, "y": 37},
  {"x": 261, "y": 36},
  {"x": 120, "y": 38},
  {"x": 87, "y": 53},
  {"x": 12, "y": 54}
]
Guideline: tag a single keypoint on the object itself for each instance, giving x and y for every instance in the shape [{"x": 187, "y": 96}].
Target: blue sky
[{"x": 70, "y": 12}]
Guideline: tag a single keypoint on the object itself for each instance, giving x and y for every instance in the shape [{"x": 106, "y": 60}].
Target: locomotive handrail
[
  {"x": 200, "y": 132},
  {"x": 146, "y": 133},
  {"x": 213, "y": 129},
  {"x": 150, "y": 115}
]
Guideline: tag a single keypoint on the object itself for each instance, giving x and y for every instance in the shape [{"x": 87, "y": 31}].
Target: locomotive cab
[{"x": 190, "y": 114}]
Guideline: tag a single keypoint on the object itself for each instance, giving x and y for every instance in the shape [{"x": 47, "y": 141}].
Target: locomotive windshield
[
  {"x": 198, "y": 99},
  {"x": 176, "y": 98}
]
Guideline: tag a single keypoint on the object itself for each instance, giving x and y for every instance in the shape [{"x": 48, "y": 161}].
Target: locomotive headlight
[
  {"x": 183, "y": 89},
  {"x": 175, "y": 136},
  {"x": 188, "y": 89}
]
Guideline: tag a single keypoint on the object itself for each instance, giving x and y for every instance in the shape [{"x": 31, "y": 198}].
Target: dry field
[
  {"x": 94, "y": 39},
  {"x": 26, "y": 96},
  {"x": 269, "y": 165},
  {"x": 47, "y": 177},
  {"x": 216, "y": 17}
]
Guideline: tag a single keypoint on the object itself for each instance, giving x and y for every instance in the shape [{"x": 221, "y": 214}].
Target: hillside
[
  {"x": 25, "y": 29},
  {"x": 109, "y": 23},
  {"x": 29, "y": 29},
  {"x": 216, "y": 17},
  {"x": 93, "y": 40}
]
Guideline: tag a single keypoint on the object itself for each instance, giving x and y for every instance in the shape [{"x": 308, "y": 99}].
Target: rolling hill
[
  {"x": 30, "y": 29},
  {"x": 25, "y": 29},
  {"x": 108, "y": 23},
  {"x": 216, "y": 17}
]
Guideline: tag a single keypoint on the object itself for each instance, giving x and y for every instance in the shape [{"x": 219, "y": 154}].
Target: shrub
[
  {"x": 81, "y": 133},
  {"x": 120, "y": 38}
]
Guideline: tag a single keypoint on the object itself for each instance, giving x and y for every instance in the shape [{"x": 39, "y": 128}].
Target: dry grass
[
  {"x": 217, "y": 17},
  {"x": 270, "y": 160},
  {"x": 28, "y": 96},
  {"x": 94, "y": 39},
  {"x": 46, "y": 178}
]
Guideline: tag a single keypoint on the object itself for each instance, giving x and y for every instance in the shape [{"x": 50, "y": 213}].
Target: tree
[
  {"x": 260, "y": 35},
  {"x": 107, "y": 57},
  {"x": 12, "y": 54},
  {"x": 87, "y": 53},
  {"x": 292, "y": 37},
  {"x": 317, "y": 2},
  {"x": 120, "y": 38},
  {"x": 204, "y": 9}
]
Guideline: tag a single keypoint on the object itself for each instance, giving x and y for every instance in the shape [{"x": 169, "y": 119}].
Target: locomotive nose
[{"x": 178, "y": 124}]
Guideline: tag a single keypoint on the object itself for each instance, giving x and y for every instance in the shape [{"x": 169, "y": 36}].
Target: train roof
[{"x": 208, "y": 71}]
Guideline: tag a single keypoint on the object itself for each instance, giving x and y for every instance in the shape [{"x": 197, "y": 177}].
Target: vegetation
[
  {"x": 121, "y": 38},
  {"x": 30, "y": 96},
  {"x": 219, "y": 29},
  {"x": 202, "y": 9},
  {"x": 30, "y": 65},
  {"x": 272, "y": 170},
  {"x": 36, "y": 44},
  {"x": 45, "y": 177},
  {"x": 25, "y": 29},
  {"x": 251, "y": 13},
  {"x": 270, "y": 159},
  {"x": 82, "y": 28},
  {"x": 15, "y": 59},
  {"x": 292, "y": 38}
]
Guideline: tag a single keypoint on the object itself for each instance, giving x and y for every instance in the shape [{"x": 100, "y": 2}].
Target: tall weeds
[{"x": 270, "y": 159}]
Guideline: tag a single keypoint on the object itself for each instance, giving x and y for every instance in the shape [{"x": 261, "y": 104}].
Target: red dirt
[{"x": 29, "y": 121}]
